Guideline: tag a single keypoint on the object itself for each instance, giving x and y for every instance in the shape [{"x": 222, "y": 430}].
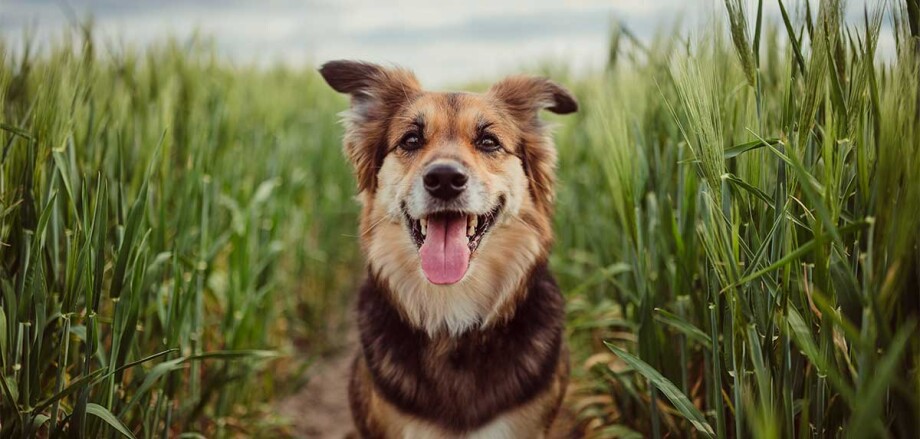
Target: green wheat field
[{"x": 737, "y": 233}]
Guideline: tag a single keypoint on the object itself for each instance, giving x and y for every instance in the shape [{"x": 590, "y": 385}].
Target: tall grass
[
  {"x": 737, "y": 233},
  {"x": 754, "y": 232},
  {"x": 169, "y": 226}
]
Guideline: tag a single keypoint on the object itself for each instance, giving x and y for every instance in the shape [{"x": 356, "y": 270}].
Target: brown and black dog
[{"x": 460, "y": 321}]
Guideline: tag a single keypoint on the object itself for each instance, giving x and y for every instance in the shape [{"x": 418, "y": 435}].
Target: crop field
[{"x": 737, "y": 233}]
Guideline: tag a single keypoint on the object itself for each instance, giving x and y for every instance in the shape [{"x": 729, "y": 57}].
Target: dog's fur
[{"x": 484, "y": 356}]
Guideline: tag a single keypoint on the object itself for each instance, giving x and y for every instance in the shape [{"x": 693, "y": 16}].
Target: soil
[{"x": 320, "y": 408}]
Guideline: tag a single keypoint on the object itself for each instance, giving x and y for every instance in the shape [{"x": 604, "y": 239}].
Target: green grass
[
  {"x": 169, "y": 225},
  {"x": 737, "y": 234},
  {"x": 740, "y": 214}
]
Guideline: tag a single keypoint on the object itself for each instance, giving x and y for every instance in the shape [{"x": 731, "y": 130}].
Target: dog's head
[{"x": 457, "y": 187}]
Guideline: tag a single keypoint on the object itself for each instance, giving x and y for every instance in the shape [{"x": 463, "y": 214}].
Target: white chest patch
[{"x": 497, "y": 429}]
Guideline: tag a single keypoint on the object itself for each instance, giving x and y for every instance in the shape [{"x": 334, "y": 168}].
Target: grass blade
[
  {"x": 683, "y": 326},
  {"x": 107, "y": 416},
  {"x": 680, "y": 401}
]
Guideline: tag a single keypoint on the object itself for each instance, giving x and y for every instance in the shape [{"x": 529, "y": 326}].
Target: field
[{"x": 736, "y": 234}]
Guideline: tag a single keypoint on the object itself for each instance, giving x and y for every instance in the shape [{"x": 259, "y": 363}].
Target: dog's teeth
[
  {"x": 472, "y": 222},
  {"x": 424, "y": 223}
]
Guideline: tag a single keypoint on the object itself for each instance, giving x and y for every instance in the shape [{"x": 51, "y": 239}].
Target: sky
[{"x": 444, "y": 42}]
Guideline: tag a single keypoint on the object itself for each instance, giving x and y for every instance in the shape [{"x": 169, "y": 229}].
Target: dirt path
[{"x": 320, "y": 409}]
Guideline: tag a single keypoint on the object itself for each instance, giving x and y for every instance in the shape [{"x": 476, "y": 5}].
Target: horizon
[{"x": 442, "y": 44}]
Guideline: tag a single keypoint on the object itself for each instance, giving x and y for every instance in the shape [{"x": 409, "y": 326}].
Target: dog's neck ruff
[{"x": 462, "y": 382}]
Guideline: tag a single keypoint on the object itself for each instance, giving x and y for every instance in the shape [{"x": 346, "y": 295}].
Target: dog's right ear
[
  {"x": 376, "y": 94},
  {"x": 350, "y": 76},
  {"x": 370, "y": 85}
]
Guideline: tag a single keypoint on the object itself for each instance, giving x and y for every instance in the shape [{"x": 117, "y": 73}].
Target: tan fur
[
  {"x": 504, "y": 256},
  {"x": 386, "y": 105}
]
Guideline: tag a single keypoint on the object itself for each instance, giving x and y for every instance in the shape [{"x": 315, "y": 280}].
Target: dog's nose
[{"x": 445, "y": 181}]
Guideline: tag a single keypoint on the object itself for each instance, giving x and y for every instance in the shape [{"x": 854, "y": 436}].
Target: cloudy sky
[{"x": 445, "y": 42}]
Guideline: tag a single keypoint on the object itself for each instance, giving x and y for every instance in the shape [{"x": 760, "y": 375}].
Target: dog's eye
[
  {"x": 411, "y": 142},
  {"x": 488, "y": 143}
]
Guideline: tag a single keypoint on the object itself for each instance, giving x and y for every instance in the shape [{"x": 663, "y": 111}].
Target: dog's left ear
[{"x": 525, "y": 96}]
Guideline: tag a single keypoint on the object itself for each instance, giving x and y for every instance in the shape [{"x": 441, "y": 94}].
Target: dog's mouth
[{"x": 447, "y": 240}]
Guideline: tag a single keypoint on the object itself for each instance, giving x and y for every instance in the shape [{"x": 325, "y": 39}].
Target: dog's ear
[
  {"x": 376, "y": 94},
  {"x": 352, "y": 77},
  {"x": 525, "y": 96},
  {"x": 369, "y": 84}
]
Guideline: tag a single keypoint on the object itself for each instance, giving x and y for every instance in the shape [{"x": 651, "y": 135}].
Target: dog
[{"x": 460, "y": 321}]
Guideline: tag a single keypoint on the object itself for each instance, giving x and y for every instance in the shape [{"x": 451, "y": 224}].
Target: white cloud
[{"x": 445, "y": 42}]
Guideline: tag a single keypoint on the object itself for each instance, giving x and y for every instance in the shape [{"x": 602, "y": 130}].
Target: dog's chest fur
[{"x": 462, "y": 383}]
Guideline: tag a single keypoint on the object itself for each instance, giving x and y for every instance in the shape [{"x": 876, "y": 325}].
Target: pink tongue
[{"x": 446, "y": 252}]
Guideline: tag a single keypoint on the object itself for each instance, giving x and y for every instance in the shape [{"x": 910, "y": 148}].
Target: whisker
[
  {"x": 373, "y": 226},
  {"x": 369, "y": 229}
]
